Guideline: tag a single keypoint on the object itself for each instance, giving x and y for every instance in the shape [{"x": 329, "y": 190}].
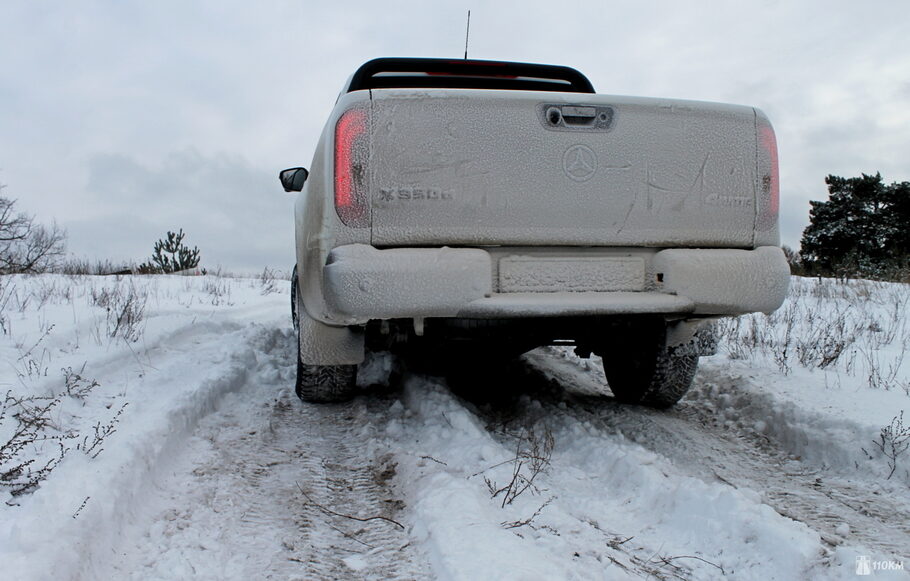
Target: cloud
[
  {"x": 237, "y": 214},
  {"x": 99, "y": 101}
]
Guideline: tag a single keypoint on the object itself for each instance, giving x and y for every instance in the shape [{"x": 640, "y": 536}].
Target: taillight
[
  {"x": 769, "y": 177},
  {"x": 352, "y": 151}
]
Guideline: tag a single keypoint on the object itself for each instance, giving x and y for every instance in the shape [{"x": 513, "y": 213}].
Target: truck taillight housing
[
  {"x": 352, "y": 149},
  {"x": 769, "y": 177}
]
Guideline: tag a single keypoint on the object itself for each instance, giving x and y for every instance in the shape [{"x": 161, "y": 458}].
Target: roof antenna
[{"x": 467, "y": 32}]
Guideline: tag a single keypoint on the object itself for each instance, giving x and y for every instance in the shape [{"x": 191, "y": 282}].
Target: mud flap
[{"x": 322, "y": 344}]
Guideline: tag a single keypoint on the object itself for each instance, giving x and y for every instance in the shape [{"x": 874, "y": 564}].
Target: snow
[
  {"x": 666, "y": 175},
  {"x": 724, "y": 281},
  {"x": 363, "y": 282},
  {"x": 192, "y": 352},
  {"x": 605, "y": 490},
  {"x": 578, "y": 274},
  {"x": 766, "y": 470},
  {"x": 815, "y": 411}
]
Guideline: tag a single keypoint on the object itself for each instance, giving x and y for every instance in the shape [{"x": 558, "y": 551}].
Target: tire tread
[{"x": 325, "y": 383}]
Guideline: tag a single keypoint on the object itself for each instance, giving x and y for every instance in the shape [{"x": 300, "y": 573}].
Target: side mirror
[{"x": 292, "y": 179}]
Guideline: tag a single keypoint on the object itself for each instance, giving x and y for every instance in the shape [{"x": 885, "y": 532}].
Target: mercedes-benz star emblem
[{"x": 579, "y": 162}]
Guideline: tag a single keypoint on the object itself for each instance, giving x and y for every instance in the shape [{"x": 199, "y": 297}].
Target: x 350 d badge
[{"x": 431, "y": 194}]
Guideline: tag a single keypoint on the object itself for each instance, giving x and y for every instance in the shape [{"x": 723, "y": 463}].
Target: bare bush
[
  {"x": 826, "y": 325},
  {"x": 81, "y": 266},
  {"x": 893, "y": 440},
  {"x": 125, "y": 316},
  {"x": 91, "y": 444},
  {"x": 77, "y": 386},
  {"x": 533, "y": 452},
  {"x": 33, "y": 362},
  {"x": 21, "y": 470},
  {"x": 6, "y": 294},
  {"x": 794, "y": 260},
  {"x": 124, "y": 307},
  {"x": 218, "y": 289},
  {"x": 34, "y": 444},
  {"x": 25, "y": 246},
  {"x": 267, "y": 281},
  {"x": 823, "y": 343},
  {"x": 523, "y": 522}
]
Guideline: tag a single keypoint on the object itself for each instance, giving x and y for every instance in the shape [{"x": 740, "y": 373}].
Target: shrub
[{"x": 171, "y": 255}]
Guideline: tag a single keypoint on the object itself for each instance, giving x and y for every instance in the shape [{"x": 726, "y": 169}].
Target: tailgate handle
[{"x": 576, "y": 117}]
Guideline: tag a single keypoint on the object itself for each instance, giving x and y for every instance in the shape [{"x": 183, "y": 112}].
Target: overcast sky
[{"x": 121, "y": 120}]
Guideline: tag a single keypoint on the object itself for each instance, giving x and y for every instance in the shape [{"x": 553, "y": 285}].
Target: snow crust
[
  {"x": 577, "y": 274},
  {"x": 479, "y": 168},
  {"x": 364, "y": 283},
  {"x": 726, "y": 281}
]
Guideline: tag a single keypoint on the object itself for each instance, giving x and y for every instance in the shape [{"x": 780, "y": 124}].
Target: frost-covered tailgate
[{"x": 485, "y": 167}]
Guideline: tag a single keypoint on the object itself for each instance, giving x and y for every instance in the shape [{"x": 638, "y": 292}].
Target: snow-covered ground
[{"x": 163, "y": 411}]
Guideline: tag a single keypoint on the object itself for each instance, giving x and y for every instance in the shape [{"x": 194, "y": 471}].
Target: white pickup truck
[{"x": 483, "y": 208}]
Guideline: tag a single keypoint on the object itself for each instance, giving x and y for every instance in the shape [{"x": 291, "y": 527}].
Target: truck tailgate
[{"x": 474, "y": 167}]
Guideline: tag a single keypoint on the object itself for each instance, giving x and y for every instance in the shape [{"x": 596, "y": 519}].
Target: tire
[
  {"x": 295, "y": 318},
  {"x": 325, "y": 383},
  {"x": 320, "y": 383},
  {"x": 648, "y": 373}
]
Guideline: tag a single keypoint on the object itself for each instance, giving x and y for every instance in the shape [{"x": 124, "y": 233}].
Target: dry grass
[{"x": 855, "y": 327}]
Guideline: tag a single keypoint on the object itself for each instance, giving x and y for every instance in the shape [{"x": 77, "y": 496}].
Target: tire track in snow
[
  {"x": 453, "y": 452},
  {"x": 689, "y": 438},
  {"x": 235, "y": 503},
  {"x": 347, "y": 478},
  {"x": 151, "y": 430}
]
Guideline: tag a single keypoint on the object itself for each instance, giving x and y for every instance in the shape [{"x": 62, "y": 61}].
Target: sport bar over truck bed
[{"x": 413, "y": 73}]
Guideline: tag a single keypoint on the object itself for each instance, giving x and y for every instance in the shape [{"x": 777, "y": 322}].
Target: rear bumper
[{"x": 363, "y": 283}]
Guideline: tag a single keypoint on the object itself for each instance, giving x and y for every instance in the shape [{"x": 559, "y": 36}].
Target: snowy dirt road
[
  {"x": 216, "y": 471},
  {"x": 250, "y": 495},
  {"x": 692, "y": 439},
  {"x": 267, "y": 487}
]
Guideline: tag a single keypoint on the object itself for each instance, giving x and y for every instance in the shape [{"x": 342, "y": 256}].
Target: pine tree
[
  {"x": 171, "y": 255},
  {"x": 861, "y": 229}
]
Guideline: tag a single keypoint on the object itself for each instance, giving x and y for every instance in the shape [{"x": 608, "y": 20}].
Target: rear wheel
[
  {"x": 295, "y": 319},
  {"x": 320, "y": 383},
  {"x": 325, "y": 383},
  {"x": 643, "y": 370}
]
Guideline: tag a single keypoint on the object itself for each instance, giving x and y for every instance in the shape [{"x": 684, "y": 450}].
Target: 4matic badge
[
  {"x": 579, "y": 162},
  {"x": 409, "y": 194}
]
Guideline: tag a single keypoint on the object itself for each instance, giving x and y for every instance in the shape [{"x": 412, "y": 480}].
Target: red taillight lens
[
  {"x": 351, "y": 158},
  {"x": 769, "y": 174}
]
